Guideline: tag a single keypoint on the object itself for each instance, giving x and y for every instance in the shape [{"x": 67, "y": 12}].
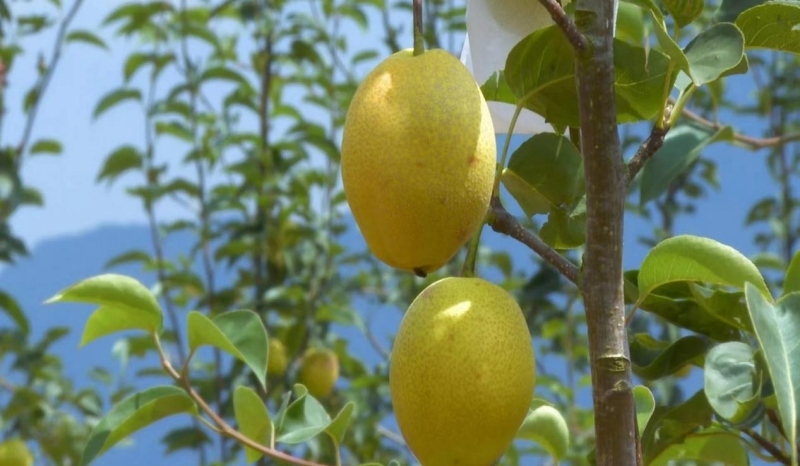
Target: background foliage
[{"x": 242, "y": 104}]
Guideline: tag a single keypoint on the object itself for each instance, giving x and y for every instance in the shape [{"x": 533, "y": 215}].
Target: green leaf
[
  {"x": 670, "y": 426},
  {"x": 134, "y": 413},
  {"x": 778, "y": 331},
  {"x": 185, "y": 438},
  {"x": 546, "y": 426},
  {"x": 710, "y": 446},
  {"x": 253, "y": 420},
  {"x": 540, "y": 72},
  {"x": 645, "y": 405},
  {"x": 496, "y": 89},
  {"x": 729, "y": 10},
  {"x": 773, "y": 25},
  {"x": 304, "y": 419},
  {"x": 727, "y": 306},
  {"x": 225, "y": 74},
  {"x": 545, "y": 171},
  {"x": 15, "y": 312},
  {"x": 338, "y": 427},
  {"x": 730, "y": 381},
  {"x": 46, "y": 146},
  {"x": 652, "y": 359},
  {"x": 239, "y": 333},
  {"x": 665, "y": 41},
  {"x": 565, "y": 229},
  {"x": 115, "y": 98},
  {"x": 791, "y": 282},
  {"x": 123, "y": 159},
  {"x": 86, "y": 37},
  {"x": 630, "y": 23},
  {"x": 684, "y": 11},
  {"x": 124, "y": 304},
  {"x": 693, "y": 258},
  {"x": 682, "y": 147},
  {"x": 714, "y": 51}
]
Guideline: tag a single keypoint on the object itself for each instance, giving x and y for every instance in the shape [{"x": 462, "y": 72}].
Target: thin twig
[
  {"x": 578, "y": 40},
  {"x": 391, "y": 435},
  {"x": 45, "y": 79},
  {"x": 768, "y": 446},
  {"x": 754, "y": 143},
  {"x": 502, "y": 221},
  {"x": 224, "y": 427},
  {"x": 648, "y": 148}
]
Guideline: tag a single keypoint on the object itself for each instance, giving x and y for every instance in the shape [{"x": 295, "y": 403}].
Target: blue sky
[{"x": 75, "y": 205}]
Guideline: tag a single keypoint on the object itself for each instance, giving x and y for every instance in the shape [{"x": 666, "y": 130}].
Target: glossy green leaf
[
  {"x": 134, "y": 413},
  {"x": 778, "y": 332},
  {"x": 698, "y": 259},
  {"x": 684, "y": 11},
  {"x": 239, "y": 333},
  {"x": 730, "y": 381},
  {"x": 114, "y": 98},
  {"x": 46, "y": 146},
  {"x": 652, "y": 359},
  {"x": 121, "y": 160},
  {"x": 546, "y": 426},
  {"x": 774, "y": 26},
  {"x": 714, "y": 51},
  {"x": 124, "y": 304},
  {"x": 669, "y": 426},
  {"x": 304, "y": 419},
  {"x": 710, "y": 446},
  {"x": 540, "y": 72},
  {"x": 253, "y": 420},
  {"x": 645, "y": 405},
  {"x": 546, "y": 172},
  {"x": 10, "y": 306},
  {"x": 86, "y": 37},
  {"x": 682, "y": 146},
  {"x": 791, "y": 281},
  {"x": 338, "y": 427},
  {"x": 671, "y": 48}
]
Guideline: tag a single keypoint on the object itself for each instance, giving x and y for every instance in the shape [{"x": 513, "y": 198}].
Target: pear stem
[{"x": 419, "y": 39}]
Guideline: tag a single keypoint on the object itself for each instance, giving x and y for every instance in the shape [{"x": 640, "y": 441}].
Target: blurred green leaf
[
  {"x": 338, "y": 427},
  {"x": 684, "y": 11},
  {"x": 46, "y": 146},
  {"x": 121, "y": 160},
  {"x": 86, "y": 37},
  {"x": 134, "y": 413},
  {"x": 645, "y": 405},
  {"x": 114, "y": 98},
  {"x": 709, "y": 446},
  {"x": 253, "y": 420},
  {"x": 124, "y": 304},
  {"x": 14, "y": 311},
  {"x": 239, "y": 333},
  {"x": 791, "y": 282}
]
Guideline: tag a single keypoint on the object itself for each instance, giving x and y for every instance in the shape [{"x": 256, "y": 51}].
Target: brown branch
[
  {"x": 754, "y": 143},
  {"x": 648, "y": 148},
  {"x": 47, "y": 76},
  {"x": 768, "y": 447},
  {"x": 224, "y": 428},
  {"x": 578, "y": 40},
  {"x": 503, "y": 222},
  {"x": 605, "y": 173}
]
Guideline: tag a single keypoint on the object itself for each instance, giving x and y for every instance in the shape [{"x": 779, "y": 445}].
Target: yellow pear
[
  {"x": 15, "y": 452},
  {"x": 276, "y": 359},
  {"x": 418, "y": 159},
  {"x": 319, "y": 371},
  {"x": 462, "y": 373}
]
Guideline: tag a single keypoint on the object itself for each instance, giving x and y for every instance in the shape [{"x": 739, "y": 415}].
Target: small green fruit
[
  {"x": 319, "y": 371},
  {"x": 277, "y": 360},
  {"x": 15, "y": 452}
]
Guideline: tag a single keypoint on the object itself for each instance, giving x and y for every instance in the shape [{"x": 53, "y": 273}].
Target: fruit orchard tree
[{"x": 292, "y": 138}]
